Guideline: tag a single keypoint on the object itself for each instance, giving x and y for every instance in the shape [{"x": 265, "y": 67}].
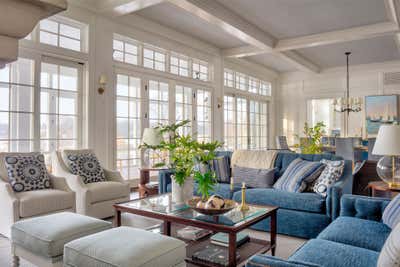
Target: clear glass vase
[{"x": 388, "y": 169}]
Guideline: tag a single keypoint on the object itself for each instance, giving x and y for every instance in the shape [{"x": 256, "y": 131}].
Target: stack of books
[
  {"x": 221, "y": 239},
  {"x": 213, "y": 254},
  {"x": 193, "y": 233}
]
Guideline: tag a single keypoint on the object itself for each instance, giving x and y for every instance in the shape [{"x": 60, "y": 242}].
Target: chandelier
[{"x": 347, "y": 104}]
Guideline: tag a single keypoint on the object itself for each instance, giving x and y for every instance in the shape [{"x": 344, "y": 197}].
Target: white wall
[
  {"x": 98, "y": 61},
  {"x": 297, "y": 87}
]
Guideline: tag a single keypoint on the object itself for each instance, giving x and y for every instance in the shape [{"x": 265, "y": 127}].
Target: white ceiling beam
[
  {"x": 221, "y": 17},
  {"x": 123, "y": 7},
  {"x": 242, "y": 51},
  {"x": 393, "y": 12}
]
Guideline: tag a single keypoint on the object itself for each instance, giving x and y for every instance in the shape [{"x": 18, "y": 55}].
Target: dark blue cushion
[
  {"x": 357, "y": 232},
  {"x": 363, "y": 207},
  {"x": 331, "y": 254},
  {"x": 311, "y": 202}
]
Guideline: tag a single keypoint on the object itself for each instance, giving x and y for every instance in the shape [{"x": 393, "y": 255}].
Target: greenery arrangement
[
  {"x": 311, "y": 143},
  {"x": 185, "y": 153}
]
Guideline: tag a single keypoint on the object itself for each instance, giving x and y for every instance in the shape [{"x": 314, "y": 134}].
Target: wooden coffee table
[{"x": 161, "y": 207}]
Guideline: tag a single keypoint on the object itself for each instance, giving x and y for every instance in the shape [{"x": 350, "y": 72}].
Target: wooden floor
[{"x": 285, "y": 245}]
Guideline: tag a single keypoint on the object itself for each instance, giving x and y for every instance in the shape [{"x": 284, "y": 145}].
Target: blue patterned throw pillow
[
  {"x": 391, "y": 214},
  {"x": 332, "y": 173},
  {"x": 85, "y": 165},
  {"x": 27, "y": 173},
  {"x": 298, "y": 175}
]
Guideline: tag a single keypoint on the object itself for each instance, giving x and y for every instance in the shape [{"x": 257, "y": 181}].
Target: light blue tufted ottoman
[
  {"x": 125, "y": 247},
  {"x": 41, "y": 240}
]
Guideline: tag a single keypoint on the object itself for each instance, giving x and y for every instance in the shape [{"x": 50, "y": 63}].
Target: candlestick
[
  {"x": 232, "y": 183},
  {"x": 244, "y": 206}
]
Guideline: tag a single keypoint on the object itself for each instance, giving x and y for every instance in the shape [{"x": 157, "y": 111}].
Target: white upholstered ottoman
[
  {"x": 125, "y": 247},
  {"x": 41, "y": 240}
]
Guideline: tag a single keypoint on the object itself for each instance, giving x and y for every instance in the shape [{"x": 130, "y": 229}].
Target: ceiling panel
[
  {"x": 292, "y": 18},
  {"x": 378, "y": 49},
  {"x": 171, "y": 16},
  {"x": 272, "y": 61}
]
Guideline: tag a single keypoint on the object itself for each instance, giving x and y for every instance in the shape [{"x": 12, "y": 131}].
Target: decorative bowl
[{"x": 228, "y": 206}]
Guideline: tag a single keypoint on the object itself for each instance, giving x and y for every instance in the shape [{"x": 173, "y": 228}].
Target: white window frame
[
  {"x": 179, "y": 66},
  {"x": 127, "y": 41},
  {"x": 155, "y": 50}
]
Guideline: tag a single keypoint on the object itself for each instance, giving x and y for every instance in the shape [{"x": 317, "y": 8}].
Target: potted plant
[
  {"x": 185, "y": 153},
  {"x": 312, "y": 143}
]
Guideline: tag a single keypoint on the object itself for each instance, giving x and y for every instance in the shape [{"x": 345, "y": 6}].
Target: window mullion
[{"x": 36, "y": 104}]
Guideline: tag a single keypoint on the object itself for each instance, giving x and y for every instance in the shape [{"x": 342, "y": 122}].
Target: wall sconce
[
  {"x": 219, "y": 102},
  {"x": 102, "y": 82}
]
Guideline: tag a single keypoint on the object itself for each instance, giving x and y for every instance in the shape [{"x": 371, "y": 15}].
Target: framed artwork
[{"x": 380, "y": 109}]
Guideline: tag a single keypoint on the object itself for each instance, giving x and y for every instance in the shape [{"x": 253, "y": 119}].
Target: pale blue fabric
[
  {"x": 391, "y": 214},
  {"x": 254, "y": 178}
]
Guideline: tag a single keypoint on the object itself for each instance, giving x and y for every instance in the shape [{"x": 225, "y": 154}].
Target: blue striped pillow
[
  {"x": 298, "y": 174},
  {"x": 222, "y": 169},
  {"x": 391, "y": 214}
]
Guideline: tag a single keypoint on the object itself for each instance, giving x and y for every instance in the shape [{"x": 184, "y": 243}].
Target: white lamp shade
[
  {"x": 388, "y": 141},
  {"x": 151, "y": 137}
]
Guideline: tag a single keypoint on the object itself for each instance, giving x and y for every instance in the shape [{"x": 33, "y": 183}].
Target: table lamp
[
  {"x": 387, "y": 144},
  {"x": 151, "y": 137}
]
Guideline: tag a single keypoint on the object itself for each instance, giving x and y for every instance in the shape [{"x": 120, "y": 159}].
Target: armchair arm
[
  {"x": 164, "y": 179},
  {"x": 114, "y": 176},
  {"x": 363, "y": 207},
  {"x": 263, "y": 260},
  {"x": 60, "y": 183},
  {"x": 9, "y": 211}
]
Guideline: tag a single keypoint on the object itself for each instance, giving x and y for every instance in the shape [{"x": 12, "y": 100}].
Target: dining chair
[
  {"x": 281, "y": 142},
  {"x": 345, "y": 149}
]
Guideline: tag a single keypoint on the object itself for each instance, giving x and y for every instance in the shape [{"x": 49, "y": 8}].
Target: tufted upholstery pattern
[{"x": 363, "y": 207}]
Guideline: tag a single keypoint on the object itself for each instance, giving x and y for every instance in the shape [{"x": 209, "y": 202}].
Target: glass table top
[{"x": 163, "y": 204}]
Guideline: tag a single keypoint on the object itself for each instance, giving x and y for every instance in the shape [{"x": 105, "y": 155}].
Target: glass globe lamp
[
  {"x": 388, "y": 169},
  {"x": 387, "y": 145}
]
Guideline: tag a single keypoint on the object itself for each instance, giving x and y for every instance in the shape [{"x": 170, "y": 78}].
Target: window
[
  {"x": 241, "y": 81},
  {"x": 200, "y": 70},
  {"x": 253, "y": 85},
  {"x": 265, "y": 88},
  {"x": 204, "y": 115},
  {"x": 258, "y": 125},
  {"x": 153, "y": 59},
  {"x": 158, "y": 103},
  {"x": 16, "y": 106},
  {"x": 184, "y": 107},
  {"x": 59, "y": 106},
  {"x": 125, "y": 51},
  {"x": 229, "y": 123},
  {"x": 59, "y": 34},
  {"x": 322, "y": 110},
  {"x": 128, "y": 125},
  {"x": 228, "y": 78},
  {"x": 241, "y": 123},
  {"x": 179, "y": 66}
]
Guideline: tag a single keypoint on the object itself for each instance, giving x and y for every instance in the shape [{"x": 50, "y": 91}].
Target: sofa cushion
[
  {"x": 46, "y": 235},
  {"x": 390, "y": 254},
  {"x": 298, "y": 175},
  {"x": 357, "y": 232},
  {"x": 27, "y": 172},
  {"x": 38, "y": 202},
  {"x": 85, "y": 164},
  {"x": 332, "y": 173},
  {"x": 391, "y": 214},
  {"x": 125, "y": 247},
  {"x": 331, "y": 254},
  {"x": 254, "y": 178},
  {"x": 103, "y": 191},
  {"x": 310, "y": 202}
]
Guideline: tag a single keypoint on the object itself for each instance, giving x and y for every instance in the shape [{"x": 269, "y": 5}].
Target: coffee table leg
[
  {"x": 232, "y": 249},
  {"x": 167, "y": 228},
  {"x": 273, "y": 233},
  {"x": 117, "y": 218}
]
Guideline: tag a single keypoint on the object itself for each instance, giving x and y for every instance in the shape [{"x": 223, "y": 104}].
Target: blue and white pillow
[
  {"x": 331, "y": 174},
  {"x": 85, "y": 165},
  {"x": 391, "y": 214},
  {"x": 254, "y": 178},
  {"x": 220, "y": 166},
  {"x": 27, "y": 173},
  {"x": 298, "y": 175}
]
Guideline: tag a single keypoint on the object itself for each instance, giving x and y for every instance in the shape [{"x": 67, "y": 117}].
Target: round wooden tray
[{"x": 229, "y": 205}]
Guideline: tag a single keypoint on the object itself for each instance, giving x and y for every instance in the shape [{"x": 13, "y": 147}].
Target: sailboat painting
[{"x": 380, "y": 109}]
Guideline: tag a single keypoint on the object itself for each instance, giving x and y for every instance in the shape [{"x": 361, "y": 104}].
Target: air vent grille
[{"x": 391, "y": 78}]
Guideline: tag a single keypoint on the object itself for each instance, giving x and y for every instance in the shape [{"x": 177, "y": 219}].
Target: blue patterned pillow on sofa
[
  {"x": 298, "y": 175},
  {"x": 391, "y": 214}
]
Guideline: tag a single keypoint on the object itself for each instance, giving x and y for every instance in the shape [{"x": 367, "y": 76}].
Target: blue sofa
[
  {"x": 300, "y": 214},
  {"x": 353, "y": 239}
]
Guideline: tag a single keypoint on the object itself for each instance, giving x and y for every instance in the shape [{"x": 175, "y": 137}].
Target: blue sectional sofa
[
  {"x": 300, "y": 214},
  {"x": 353, "y": 239}
]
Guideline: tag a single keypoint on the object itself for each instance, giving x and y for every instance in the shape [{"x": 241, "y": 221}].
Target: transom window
[
  {"x": 153, "y": 59},
  {"x": 241, "y": 81},
  {"x": 253, "y": 85},
  {"x": 265, "y": 88},
  {"x": 125, "y": 51},
  {"x": 247, "y": 83},
  {"x": 228, "y": 78},
  {"x": 179, "y": 65},
  {"x": 200, "y": 70},
  {"x": 60, "y": 34}
]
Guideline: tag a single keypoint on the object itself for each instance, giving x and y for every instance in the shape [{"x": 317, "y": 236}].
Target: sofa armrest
[
  {"x": 9, "y": 211},
  {"x": 164, "y": 179},
  {"x": 60, "y": 183},
  {"x": 114, "y": 176},
  {"x": 370, "y": 208},
  {"x": 262, "y": 260}
]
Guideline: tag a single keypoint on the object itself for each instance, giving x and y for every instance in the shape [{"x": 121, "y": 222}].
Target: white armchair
[
  {"x": 93, "y": 199},
  {"x": 17, "y": 206}
]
